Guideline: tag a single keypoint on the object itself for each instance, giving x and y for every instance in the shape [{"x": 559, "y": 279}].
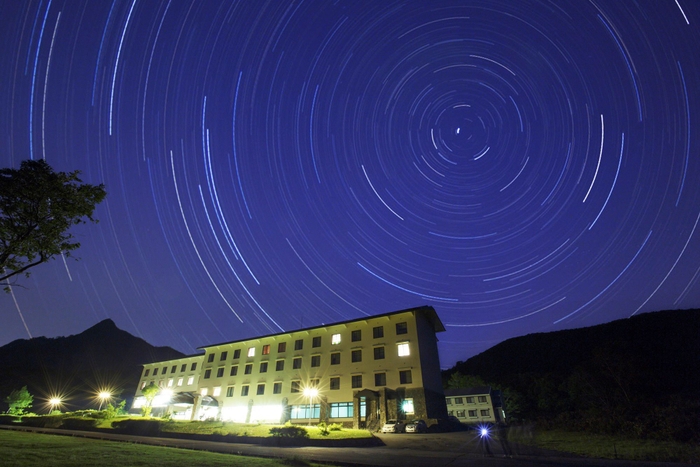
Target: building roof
[
  {"x": 428, "y": 311},
  {"x": 473, "y": 391}
]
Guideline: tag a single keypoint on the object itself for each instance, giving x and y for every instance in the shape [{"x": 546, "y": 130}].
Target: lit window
[
  {"x": 217, "y": 391},
  {"x": 170, "y": 383},
  {"x": 251, "y": 352},
  {"x": 335, "y": 339},
  {"x": 190, "y": 380},
  {"x": 266, "y": 350},
  {"x": 180, "y": 381},
  {"x": 407, "y": 406},
  {"x": 143, "y": 385},
  {"x": 204, "y": 391},
  {"x": 404, "y": 350}
]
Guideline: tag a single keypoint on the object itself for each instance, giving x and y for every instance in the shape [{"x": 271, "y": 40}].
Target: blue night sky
[{"x": 521, "y": 166}]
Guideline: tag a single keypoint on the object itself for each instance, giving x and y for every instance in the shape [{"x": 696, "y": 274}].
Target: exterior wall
[
  {"x": 169, "y": 374},
  {"x": 263, "y": 379},
  {"x": 430, "y": 362},
  {"x": 473, "y": 408}
]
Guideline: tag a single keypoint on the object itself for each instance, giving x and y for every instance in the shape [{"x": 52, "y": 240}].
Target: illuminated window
[
  {"x": 180, "y": 381},
  {"x": 315, "y": 360},
  {"x": 341, "y": 410},
  {"x": 204, "y": 391},
  {"x": 405, "y": 377},
  {"x": 237, "y": 354},
  {"x": 356, "y": 381},
  {"x": 266, "y": 350},
  {"x": 207, "y": 373},
  {"x": 380, "y": 379},
  {"x": 143, "y": 385},
  {"x": 217, "y": 391},
  {"x": 407, "y": 406},
  {"x": 229, "y": 391},
  {"x": 190, "y": 380},
  {"x": 261, "y": 390},
  {"x": 298, "y": 344},
  {"x": 251, "y": 352},
  {"x": 244, "y": 390},
  {"x": 335, "y": 358},
  {"x": 210, "y": 357},
  {"x": 224, "y": 356},
  {"x": 296, "y": 386},
  {"x": 220, "y": 372},
  {"x": 248, "y": 369},
  {"x": 401, "y": 328},
  {"x": 404, "y": 350},
  {"x": 170, "y": 383},
  {"x": 282, "y": 347},
  {"x": 356, "y": 335},
  {"x": 335, "y": 383},
  {"x": 378, "y": 332},
  {"x": 234, "y": 370},
  {"x": 296, "y": 363},
  {"x": 279, "y": 365},
  {"x": 277, "y": 388},
  {"x": 335, "y": 339},
  {"x": 316, "y": 341},
  {"x": 263, "y": 367},
  {"x": 356, "y": 356},
  {"x": 378, "y": 353}
]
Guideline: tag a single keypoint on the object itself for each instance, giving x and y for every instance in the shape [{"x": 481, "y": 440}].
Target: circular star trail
[{"x": 520, "y": 166}]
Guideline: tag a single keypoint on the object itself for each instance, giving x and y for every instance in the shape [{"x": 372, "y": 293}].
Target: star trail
[{"x": 521, "y": 166}]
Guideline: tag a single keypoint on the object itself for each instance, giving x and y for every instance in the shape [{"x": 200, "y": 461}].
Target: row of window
[
  {"x": 403, "y": 350},
  {"x": 405, "y": 377},
  {"x": 173, "y": 369},
  {"x": 472, "y": 413},
  {"x": 460, "y": 400},
  {"x": 355, "y": 336}
]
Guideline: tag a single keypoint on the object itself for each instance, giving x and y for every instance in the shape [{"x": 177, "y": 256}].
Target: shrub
[
  {"x": 335, "y": 426},
  {"x": 138, "y": 427},
  {"x": 73, "y": 423},
  {"x": 289, "y": 432},
  {"x": 323, "y": 428}
]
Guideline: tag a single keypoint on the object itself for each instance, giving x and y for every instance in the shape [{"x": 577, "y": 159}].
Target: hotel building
[{"x": 359, "y": 373}]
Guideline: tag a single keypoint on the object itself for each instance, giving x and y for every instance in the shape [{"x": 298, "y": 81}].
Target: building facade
[
  {"x": 359, "y": 373},
  {"x": 475, "y": 405}
]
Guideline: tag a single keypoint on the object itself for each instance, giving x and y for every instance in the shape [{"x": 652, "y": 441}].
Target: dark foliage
[
  {"x": 292, "y": 431},
  {"x": 138, "y": 427}
]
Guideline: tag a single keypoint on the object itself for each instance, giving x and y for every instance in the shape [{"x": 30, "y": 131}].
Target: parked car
[
  {"x": 416, "y": 426},
  {"x": 394, "y": 426}
]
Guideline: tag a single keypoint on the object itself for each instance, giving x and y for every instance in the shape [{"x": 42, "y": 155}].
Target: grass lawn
[
  {"x": 614, "y": 447},
  {"x": 262, "y": 431},
  {"x": 21, "y": 449}
]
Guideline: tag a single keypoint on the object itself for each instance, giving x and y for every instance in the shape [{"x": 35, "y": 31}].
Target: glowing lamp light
[
  {"x": 54, "y": 403},
  {"x": 310, "y": 392},
  {"x": 484, "y": 431}
]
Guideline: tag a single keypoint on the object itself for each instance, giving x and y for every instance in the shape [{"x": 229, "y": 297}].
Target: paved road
[{"x": 459, "y": 449}]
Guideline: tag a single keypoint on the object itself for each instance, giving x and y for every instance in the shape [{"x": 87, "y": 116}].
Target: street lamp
[
  {"x": 54, "y": 403},
  {"x": 311, "y": 393},
  {"x": 104, "y": 396}
]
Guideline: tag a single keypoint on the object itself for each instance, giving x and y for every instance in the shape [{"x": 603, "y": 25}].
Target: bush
[
  {"x": 323, "y": 428},
  {"x": 138, "y": 427},
  {"x": 292, "y": 431},
  {"x": 73, "y": 423},
  {"x": 335, "y": 426}
]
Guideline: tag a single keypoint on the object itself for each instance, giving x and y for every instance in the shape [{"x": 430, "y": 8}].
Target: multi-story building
[
  {"x": 475, "y": 405},
  {"x": 360, "y": 372}
]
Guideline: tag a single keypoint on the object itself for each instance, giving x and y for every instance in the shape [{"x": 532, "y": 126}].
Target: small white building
[{"x": 475, "y": 405}]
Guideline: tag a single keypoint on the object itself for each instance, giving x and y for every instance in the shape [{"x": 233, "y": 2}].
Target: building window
[
  {"x": 356, "y": 356},
  {"x": 190, "y": 380},
  {"x": 450, "y": 412},
  {"x": 248, "y": 369},
  {"x": 458, "y": 400},
  {"x": 194, "y": 366},
  {"x": 460, "y": 413},
  {"x": 210, "y": 358},
  {"x": 315, "y": 361},
  {"x": 279, "y": 365},
  {"x": 335, "y": 339},
  {"x": 261, "y": 390},
  {"x": 220, "y": 372},
  {"x": 335, "y": 383},
  {"x": 145, "y": 373},
  {"x": 277, "y": 388},
  {"x": 207, "y": 373},
  {"x": 404, "y": 351},
  {"x": 472, "y": 413},
  {"x": 485, "y": 413},
  {"x": 237, "y": 354},
  {"x": 470, "y": 400},
  {"x": 173, "y": 369},
  {"x": 380, "y": 379},
  {"x": 482, "y": 399},
  {"x": 266, "y": 350},
  {"x": 263, "y": 367},
  {"x": 314, "y": 383},
  {"x": 281, "y": 347},
  {"x": 229, "y": 391},
  {"x": 204, "y": 391},
  {"x": 335, "y": 358},
  {"x": 170, "y": 383},
  {"x": 378, "y": 332},
  {"x": 251, "y": 352},
  {"x": 379, "y": 353},
  {"x": 405, "y": 377},
  {"x": 341, "y": 410},
  {"x": 224, "y": 356},
  {"x": 401, "y": 328},
  {"x": 316, "y": 342},
  {"x": 407, "y": 406},
  {"x": 448, "y": 400},
  {"x": 143, "y": 385},
  {"x": 180, "y": 381},
  {"x": 155, "y": 372},
  {"x": 356, "y": 381},
  {"x": 296, "y": 363},
  {"x": 299, "y": 344},
  {"x": 234, "y": 370},
  {"x": 296, "y": 386},
  {"x": 306, "y": 411},
  {"x": 244, "y": 390},
  {"x": 217, "y": 391},
  {"x": 356, "y": 335},
  {"x": 183, "y": 367}
]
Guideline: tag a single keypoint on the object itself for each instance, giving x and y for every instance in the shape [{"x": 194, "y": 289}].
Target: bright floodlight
[
  {"x": 310, "y": 392},
  {"x": 55, "y": 401},
  {"x": 484, "y": 432},
  {"x": 104, "y": 395}
]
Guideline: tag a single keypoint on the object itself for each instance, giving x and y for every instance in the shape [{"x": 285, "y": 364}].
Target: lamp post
[
  {"x": 104, "y": 396},
  {"x": 54, "y": 403},
  {"x": 311, "y": 393}
]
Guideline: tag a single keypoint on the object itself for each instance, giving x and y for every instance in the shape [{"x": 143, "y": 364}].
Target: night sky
[{"x": 521, "y": 166}]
